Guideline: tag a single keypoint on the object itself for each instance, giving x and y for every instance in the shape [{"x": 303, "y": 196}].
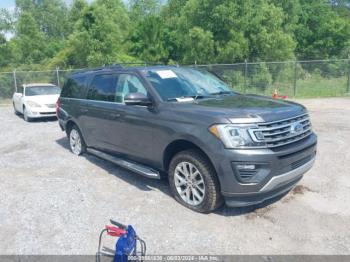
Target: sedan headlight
[
  {"x": 233, "y": 136},
  {"x": 33, "y": 104}
]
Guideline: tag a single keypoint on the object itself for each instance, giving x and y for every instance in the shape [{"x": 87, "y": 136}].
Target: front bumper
[
  {"x": 277, "y": 185},
  {"x": 41, "y": 112},
  {"x": 281, "y": 170}
]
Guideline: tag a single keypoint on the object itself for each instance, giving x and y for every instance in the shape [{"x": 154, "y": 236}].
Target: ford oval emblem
[{"x": 296, "y": 128}]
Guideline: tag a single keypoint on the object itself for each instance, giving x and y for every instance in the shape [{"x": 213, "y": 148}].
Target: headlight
[
  {"x": 33, "y": 104},
  {"x": 234, "y": 136}
]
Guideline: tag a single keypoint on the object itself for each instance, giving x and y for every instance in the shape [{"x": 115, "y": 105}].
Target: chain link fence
[
  {"x": 300, "y": 79},
  {"x": 9, "y": 81}
]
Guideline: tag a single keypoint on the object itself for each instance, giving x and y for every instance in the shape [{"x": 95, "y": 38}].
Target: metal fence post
[
  {"x": 15, "y": 80},
  {"x": 245, "y": 75},
  {"x": 58, "y": 76},
  {"x": 295, "y": 79},
  {"x": 348, "y": 89}
]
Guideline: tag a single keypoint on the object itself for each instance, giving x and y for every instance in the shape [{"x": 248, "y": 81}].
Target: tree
[
  {"x": 199, "y": 45},
  {"x": 99, "y": 36},
  {"x": 89, "y": 33},
  {"x": 321, "y": 33},
  {"x": 29, "y": 40},
  {"x": 50, "y": 15},
  {"x": 148, "y": 40},
  {"x": 239, "y": 29},
  {"x": 141, "y": 8}
]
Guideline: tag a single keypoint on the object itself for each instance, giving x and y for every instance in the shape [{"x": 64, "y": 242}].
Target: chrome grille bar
[{"x": 282, "y": 132}]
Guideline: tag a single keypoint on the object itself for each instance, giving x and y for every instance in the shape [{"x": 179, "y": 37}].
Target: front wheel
[
  {"x": 25, "y": 115},
  {"x": 76, "y": 141},
  {"x": 193, "y": 181},
  {"x": 14, "y": 109}
]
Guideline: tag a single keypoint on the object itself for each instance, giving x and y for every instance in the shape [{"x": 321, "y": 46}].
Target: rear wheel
[
  {"x": 193, "y": 181},
  {"x": 76, "y": 141}
]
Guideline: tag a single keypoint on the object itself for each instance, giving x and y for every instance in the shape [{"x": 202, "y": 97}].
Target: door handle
[
  {"x": 115, "y": 115},
  {"x": 84, "y": 110}
]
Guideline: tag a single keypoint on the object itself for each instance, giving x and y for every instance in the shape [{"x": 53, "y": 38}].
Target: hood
[
  {"x": 43, "y": 99},
  {"x": 245, "y": 108}
]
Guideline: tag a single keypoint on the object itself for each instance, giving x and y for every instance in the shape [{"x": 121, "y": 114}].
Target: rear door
[{"x": 100, "y": 111}]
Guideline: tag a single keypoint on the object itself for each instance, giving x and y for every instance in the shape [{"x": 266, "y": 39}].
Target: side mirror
[{"x": 138, "y": 99}]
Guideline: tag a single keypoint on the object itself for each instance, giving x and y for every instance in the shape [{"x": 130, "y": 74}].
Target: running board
[{"x": 132, "y": 166}]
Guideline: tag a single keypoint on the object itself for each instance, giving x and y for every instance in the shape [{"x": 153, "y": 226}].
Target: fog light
[
  {"x": 246, "y": 167},
  {"x": 251, "y": 172}
]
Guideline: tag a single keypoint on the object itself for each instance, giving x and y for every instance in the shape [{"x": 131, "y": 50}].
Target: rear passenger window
[
  {"x": 73, "y": 87},
  {"x": 103, "y": 88}
]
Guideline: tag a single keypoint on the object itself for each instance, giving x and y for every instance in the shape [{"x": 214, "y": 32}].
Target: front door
[{"x": 132, "y": 132}]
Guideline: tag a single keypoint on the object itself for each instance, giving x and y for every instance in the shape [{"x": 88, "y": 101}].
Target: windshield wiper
[
  {"x": 222, "y": 93},
  {"x": 184, "y": 97}
]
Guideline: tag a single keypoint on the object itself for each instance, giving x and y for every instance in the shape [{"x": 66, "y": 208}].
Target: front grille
[
  {"x": 47, "y": 113},
  {"x": 283, "y": 132}
]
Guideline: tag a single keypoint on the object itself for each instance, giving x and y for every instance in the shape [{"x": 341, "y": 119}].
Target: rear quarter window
[{"x": 74, "y": 87}]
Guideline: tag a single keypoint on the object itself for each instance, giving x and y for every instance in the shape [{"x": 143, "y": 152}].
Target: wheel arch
[
  {"x": 181, "y": 145},
  {"x": 70, "y": 123}
]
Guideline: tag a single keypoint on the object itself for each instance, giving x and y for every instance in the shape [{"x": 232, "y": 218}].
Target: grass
[
  {"x": 313, "y": 87},
  {"x": 318, "y": 86}
]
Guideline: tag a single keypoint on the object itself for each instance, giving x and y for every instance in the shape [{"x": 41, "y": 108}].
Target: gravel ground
[{"x": 53, "y": 202}]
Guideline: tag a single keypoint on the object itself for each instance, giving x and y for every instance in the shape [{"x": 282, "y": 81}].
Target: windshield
[
  {"x": 185, "y": 82},
  {"x": 42, "y": 90}
]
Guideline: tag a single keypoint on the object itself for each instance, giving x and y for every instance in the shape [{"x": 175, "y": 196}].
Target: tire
[
  {"x": 199, "y": 192},
  {"x": 76, "y": 141},
  {"x": 14, "y": 109},
  {"x": 25, "y": 115}
]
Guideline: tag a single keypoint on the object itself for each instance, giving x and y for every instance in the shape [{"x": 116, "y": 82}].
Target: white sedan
[{"x": 36, "y": 100}]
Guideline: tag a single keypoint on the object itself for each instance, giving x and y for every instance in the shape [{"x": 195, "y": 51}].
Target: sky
[{"x": 7, "y": 3}]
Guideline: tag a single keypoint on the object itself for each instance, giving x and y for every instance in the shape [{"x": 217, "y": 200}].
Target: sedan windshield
[
  {"x": 42, "y": 90},
  {"x": 176, "y": 83}
]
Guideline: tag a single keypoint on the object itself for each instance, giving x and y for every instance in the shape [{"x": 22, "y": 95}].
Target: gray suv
[{"x": 213, "y": 144}]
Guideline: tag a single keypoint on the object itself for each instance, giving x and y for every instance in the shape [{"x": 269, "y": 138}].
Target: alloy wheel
[
  {"x": 75, "y": 142},
  {"x": 189, "y": 183}
]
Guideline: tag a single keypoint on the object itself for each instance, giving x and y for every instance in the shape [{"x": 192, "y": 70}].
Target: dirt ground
[{"x": 53, "y": 202}]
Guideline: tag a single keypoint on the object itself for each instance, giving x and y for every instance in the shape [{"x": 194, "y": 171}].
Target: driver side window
[{"x": 128, "y": 84}]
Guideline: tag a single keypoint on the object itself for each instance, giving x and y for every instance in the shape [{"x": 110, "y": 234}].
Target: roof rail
[{"x": 110, "y": 67}]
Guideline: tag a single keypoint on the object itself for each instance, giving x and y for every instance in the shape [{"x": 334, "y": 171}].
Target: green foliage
[
  {"x": 85, "y": 33},
  {"x": 199, "y": 45},
  {"x": 29, "y": 41},
  {"x": 98, "y": 38},
  {"x": 148, "y": 40},
  {"x": 260, "y": 76},
  {"x": 321, "y": 32}
]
